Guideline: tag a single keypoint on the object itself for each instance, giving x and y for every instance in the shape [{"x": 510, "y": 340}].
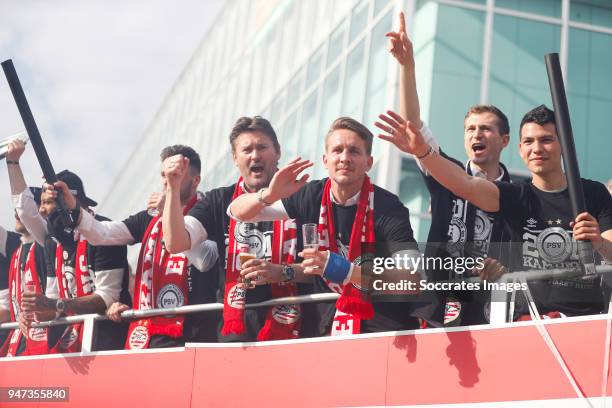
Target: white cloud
[{"x": 94, "y": 73}]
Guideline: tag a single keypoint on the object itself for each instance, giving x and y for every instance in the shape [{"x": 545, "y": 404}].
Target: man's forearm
[
  {"x": 16, "y": 179},
  {"x": 176, "y": 237},
  {"x": 5, "y": 315},
  {"x": 247, "y": 206},
  {"x": 409, "y": 98},
  {"x": 85, "y": 305},
  {"x": 480, "y": 192}
]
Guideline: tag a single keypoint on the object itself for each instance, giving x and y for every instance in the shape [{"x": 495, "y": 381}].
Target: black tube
[
  {"x": 34, "y": 134},
  {"x": 568, "y": 150}
]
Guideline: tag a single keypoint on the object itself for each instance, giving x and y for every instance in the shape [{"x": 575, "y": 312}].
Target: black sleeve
[
  {"x": 305, "y": 204},
  {"x": 109, "y": 257},
  {"x": 204, "y": 212},
  {"x": 393, "y": 225},
  {"x": 12, "y": 243},
  {"x": 603, "y": 201},
  {"x": 513, "y": 200},
  {"x": 137, "y": 224},
  {"x": 4, "y": 272}
]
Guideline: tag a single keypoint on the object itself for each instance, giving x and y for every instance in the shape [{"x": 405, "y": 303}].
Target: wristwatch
[
  {"x": 288, "y": 273},
  {"x": 60, "y": 306},
  {"x": 260, "y": 198}
]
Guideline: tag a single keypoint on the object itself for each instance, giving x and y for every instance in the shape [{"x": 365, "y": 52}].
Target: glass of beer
[
  {"x": 310, "y": 236},
  {"x": 246, "y": 254}
]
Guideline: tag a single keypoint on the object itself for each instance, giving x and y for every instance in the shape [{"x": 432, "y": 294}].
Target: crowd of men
[{"x": 64, "y": 262}]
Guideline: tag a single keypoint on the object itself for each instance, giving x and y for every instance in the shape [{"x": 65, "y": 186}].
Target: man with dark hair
[
  {"x": 355, "y": 219},
  {"x": 163, "y": 280},
  {"x": 256, "y": 152},
  {"x": 458, "y": 229},
  {"x": 22, "y": 265},
  {"x": 84, "y": 278},
  {"x": 538, "y": 213}
]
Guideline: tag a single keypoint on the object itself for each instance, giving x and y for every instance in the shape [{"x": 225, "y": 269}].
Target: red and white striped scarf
[
  {"x": 83, "y": 285},
  {"x": 353, "y": 305},
  {"x": 160, "y": 282},
  {"x": 283, "y": 321},
  {"x": 36, "y": 340}
]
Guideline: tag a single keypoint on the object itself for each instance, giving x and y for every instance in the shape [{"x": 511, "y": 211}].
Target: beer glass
[
  {"x": 310, "y": 236},
  {"x": 246, "y": 254}
]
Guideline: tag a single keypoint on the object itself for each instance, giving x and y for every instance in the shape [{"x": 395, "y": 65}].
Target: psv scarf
[
  {"x": 283, "y": 321},
  {"x": 160, "y": 283},
  {"x": 352, "y": 306},
  {"x": 36, "y": 339},
  {"x": 70, "y": 341}
]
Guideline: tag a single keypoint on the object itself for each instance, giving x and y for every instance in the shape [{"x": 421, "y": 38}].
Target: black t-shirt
[
  {"x": 542, "y": 239},
  {"x": 391, "y": 224},
  {"x": 211, "y": 212},
  {"x": 108, "y": 335},
  {"x": 202, "y": 288}
]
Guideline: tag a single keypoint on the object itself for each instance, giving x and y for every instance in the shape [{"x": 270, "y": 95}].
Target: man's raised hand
[
  {"x": 286, "y": 182},
  {"x": 16, "y": 147},
  {"x": 400, "y": 44},
  {"x": 52, "y": 191},
  {"x": 174, "y": 169},
  {"x": 403, "y": 134}
]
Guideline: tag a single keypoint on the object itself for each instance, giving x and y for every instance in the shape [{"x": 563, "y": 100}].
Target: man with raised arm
[
  {"x": 354, "y": 217},
  {"x": 87, "y": 278},
  {"x": 162, "y": 280},
  {"x": 538, "y": 212},
  {"x": 458, "y": 228},
  {"x": 256, "y": 152},
  {"x": 22, "y": 265}
]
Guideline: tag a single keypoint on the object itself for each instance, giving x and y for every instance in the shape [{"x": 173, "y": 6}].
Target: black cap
[
  {"x": 36, "y": 192},
  {"x": 75, "y": 185}
]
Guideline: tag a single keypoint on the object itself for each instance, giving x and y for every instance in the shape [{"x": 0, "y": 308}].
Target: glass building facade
[{"x": 303, "y": 63}]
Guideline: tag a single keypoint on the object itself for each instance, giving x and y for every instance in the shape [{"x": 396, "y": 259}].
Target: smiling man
[
  {"x": 353, "y": 216},
  {"x": 538, "y": 213}
]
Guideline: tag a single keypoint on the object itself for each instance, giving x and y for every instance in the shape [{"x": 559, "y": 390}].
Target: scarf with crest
[
  {"x": 353, "y": 304},
  {"x": 160, "y": 282},
  {"x": 36, "y": 339},
  {"x": 283, "y": 321}
]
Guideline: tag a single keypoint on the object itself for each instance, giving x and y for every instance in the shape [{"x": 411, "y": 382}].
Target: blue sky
[{"x": 94, "y": 73}]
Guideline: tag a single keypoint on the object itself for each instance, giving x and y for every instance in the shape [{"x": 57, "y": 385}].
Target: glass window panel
[
  {"x": 359, "y": 19},
  {"x": 379, "y": 5},
  {"x": 375, "y": 101},
  {"x": 421, "y": 3},
  {"x": 308, "y": 134},
  {"x": 288, "y": 138},
  {"x": 457, "y": 66},
  {"x": 590, "y": 100},
  {"x": 330, "y": 110},
  {"x": 278, "y": 108},
  {"x": 354, "y": 82},
  {"x": 295, "y": 89},
  {"x": 550, "y": 8},
  {"x": 518, "y": 81},
  {"x": 336, "y": 43},
  {"x": 414, "y": 194},
  {"x": 596, "y": 12},
  {"x": 314, "y": 67}
]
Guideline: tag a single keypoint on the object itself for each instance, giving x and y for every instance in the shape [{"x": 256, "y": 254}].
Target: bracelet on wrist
[
  {"x": 15, "y": 162},
  {"x": 429, "y": 152}
]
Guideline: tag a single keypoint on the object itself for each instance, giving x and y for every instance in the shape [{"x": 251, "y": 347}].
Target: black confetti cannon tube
[
  {"x": 568, "y": 150},
  {"x": 34, "y": 134}
]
